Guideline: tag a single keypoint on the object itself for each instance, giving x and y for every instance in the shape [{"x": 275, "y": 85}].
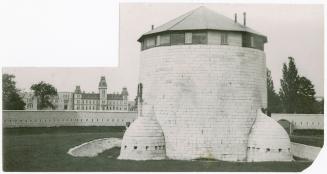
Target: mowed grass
[
  {"x": 308, "y": 137},
  {"x": 45, "y": 149}
]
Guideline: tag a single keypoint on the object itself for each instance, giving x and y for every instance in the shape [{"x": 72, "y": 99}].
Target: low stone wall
[
  {"x": 302, "y": 121},
  {"x": 305, "y": 151},
  {"x": 66, "y": 118}
]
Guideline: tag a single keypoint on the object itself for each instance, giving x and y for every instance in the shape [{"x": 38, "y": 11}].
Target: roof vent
[
  {"x": 235, "y": 17},
  {"x": 244, "y": 19},
  {"x": 152, "y": 27}
]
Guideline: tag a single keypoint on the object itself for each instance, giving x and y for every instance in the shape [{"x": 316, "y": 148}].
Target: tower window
[
  {"x": 158, "y": 40},
  {"x": 177, "y": 38},
  {"x": 224, "y": 39},
  {"x": 135, "y": 147},
  {"x": 146, "y": 147},
  {"x": 165, "y": 39},
  {"x": 188, "y": 38},
  {"x": 252, "y": 41},
  {"x": 150, "y": 42},
  {"x": 279, "y": 150},
  {"x": 268, "y": 150},
  {"x": 199, "y": 38}
]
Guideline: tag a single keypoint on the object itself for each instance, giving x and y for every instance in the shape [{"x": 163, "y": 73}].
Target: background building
[
  {"x": 79, "y": 100},
  {"x": 101, "y": 100},
  {"x": 63, "y": 101},
  {"x": 30, "y": 100}
]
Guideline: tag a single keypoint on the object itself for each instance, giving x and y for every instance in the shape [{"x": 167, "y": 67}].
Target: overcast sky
[{"x": 292, "y": 30}]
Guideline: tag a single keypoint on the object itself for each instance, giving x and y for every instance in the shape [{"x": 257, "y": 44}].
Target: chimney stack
[
  {"x": 235, "y": 17},
  {"x": 152, "y": 27},
  {"x": 244, "y": 19}
]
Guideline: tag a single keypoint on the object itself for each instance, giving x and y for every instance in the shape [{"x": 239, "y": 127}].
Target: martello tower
[{"x": 205, "y": 76}]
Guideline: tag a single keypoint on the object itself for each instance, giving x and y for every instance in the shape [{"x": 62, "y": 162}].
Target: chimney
[
  {"x": 152, "y": 27},
  {"x": 244, "y": 19},
  {"x": 235, "y": 17}
]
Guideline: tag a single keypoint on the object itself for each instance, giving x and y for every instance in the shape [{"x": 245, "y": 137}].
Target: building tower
[
  {"x": 205, "y": 75},
  {"x": 103, "y": 93},
  {"x": 77, "y": 98}
]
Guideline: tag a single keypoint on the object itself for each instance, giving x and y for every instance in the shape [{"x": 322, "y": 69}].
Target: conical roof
[
  {"x": 268, "y": 132},
  {"x": 146, "y": 125},
  {"x": 201, "y": 18}
]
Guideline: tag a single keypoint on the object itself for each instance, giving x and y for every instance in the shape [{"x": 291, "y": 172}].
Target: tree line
[
  {"x": 12, "y": 100},
  {"x": 296, "y": 94}
]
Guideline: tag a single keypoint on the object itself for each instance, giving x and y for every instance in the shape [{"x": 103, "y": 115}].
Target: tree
[
  {"x": 44, "y": 91},
  {"x": 319, "y": 107},
  {"x": 305, "y": 97},
  {"x": 297, "y": 93},
  {"x": 274, "y": 105},
  {"x": 10, "y": 97},
  {"x": 288, "y": 90}
]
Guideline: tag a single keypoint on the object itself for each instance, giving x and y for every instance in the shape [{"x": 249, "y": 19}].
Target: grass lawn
[
  {"x": 308, "y": 137},
  {"x": 308, "y": 140},
  {"x": 45, "y": 149}
]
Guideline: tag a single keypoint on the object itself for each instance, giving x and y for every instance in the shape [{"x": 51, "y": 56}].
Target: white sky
[{"x": 82, "y": 33}]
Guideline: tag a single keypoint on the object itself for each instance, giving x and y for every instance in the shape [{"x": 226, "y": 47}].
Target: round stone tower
[{"x": 205, "y": 75}]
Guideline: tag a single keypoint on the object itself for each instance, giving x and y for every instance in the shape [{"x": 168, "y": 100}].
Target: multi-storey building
[
  {"x": 63, "y": 101},
  {"x": 79, "y": 100},
  {"x": 101, "y": 100},
  {"x": 30, "y": 100}
]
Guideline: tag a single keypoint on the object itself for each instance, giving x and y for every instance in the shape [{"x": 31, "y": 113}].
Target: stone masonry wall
[
  {"x": 205, "y": 97},
  {"x": 66, "y": 118},
  {"x": 302, "y": 121}
]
